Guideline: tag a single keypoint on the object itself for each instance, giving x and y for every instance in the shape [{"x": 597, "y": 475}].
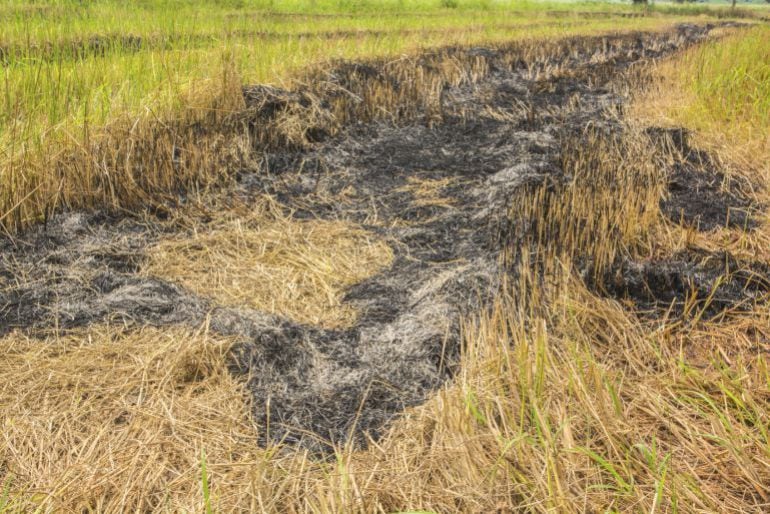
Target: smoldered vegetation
[{"x": 433, "y": 187}]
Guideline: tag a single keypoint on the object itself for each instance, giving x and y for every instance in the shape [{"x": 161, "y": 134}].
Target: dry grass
[
  {"x": 607, "y": 208},
  {"x": 427, "y": 192},
  {"x": 146, "y": 154},
  {"x": 261, "y": 258},
  {"x": 566, "y": 401},
  {"x": 721, "y": 90},
  {"x": 109, "y": 420}
]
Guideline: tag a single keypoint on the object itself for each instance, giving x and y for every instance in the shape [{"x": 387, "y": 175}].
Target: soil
[{"x": 315, "y": 387}]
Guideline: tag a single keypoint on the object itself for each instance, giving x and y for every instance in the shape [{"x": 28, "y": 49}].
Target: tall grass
[
  {"x": 76, "y": 73},
  {"x": 721, "y": 90},
  {"x": 730, "y": 82},
  {"x": 566, "y": 401}
]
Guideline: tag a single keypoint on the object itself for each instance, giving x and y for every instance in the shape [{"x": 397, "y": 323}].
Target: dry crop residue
[{"x": 436, "y": 186}]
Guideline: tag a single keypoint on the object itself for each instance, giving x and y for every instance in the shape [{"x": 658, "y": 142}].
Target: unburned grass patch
[
  {"x": 261, "y": 258},
  {"x": 427, "y": 192},
  {"x": 603, "y": 205},
  {"x": 107, "y": 419}
]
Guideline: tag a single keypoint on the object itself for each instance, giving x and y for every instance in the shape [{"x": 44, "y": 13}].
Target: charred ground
[{"x": 436, "y": 177}]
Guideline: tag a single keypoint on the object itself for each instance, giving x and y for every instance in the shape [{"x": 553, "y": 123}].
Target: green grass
[
  {"x": 72, "y": 69},
  {"x": 721, "y": 90},
  {"x": 730, "y": 82},
  {"x": 51, "y": 79},
  {"x": 205, "y": 484}
]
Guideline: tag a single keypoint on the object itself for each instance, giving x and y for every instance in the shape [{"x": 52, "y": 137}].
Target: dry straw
[
  {"x": 262, "y": 258},
  {"x": 566, "y": 401}
]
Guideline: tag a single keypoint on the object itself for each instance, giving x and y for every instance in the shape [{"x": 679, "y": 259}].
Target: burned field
[{"x": 454, "y": 189}]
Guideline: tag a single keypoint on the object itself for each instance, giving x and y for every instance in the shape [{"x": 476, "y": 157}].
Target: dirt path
[{"x": 437, "y": 191}]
